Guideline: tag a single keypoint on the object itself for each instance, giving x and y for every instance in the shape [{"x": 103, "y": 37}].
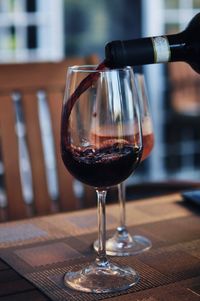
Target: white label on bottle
[{"x": 161, "y": 49}]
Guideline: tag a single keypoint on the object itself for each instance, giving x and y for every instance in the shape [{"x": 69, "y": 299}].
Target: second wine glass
[{"x": 122, "y": 243}]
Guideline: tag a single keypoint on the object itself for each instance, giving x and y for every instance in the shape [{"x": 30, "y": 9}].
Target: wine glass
[
  {"x": 99, "y": 108},
  {"x": 122, "y": 243}
]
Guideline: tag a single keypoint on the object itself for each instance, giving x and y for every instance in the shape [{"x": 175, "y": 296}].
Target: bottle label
[{"x": 161, "y": 49}]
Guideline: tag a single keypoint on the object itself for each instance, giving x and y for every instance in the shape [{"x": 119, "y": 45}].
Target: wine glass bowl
[
  {"x": 94, "y": 142},
  {"x": 99, "y": 107}
]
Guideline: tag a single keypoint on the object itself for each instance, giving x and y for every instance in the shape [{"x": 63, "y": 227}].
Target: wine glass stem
[
  {"x": 101, "y": 198},
  {"x": 121, "y": 195}
]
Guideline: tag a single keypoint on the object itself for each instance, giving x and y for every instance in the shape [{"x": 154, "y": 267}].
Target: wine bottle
[{"x": 183, "y": 46}]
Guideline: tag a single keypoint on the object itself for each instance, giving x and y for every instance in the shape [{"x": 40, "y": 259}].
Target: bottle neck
[
  {"x": 129, "y": 53},
  {"x": 148, "y": 50}
]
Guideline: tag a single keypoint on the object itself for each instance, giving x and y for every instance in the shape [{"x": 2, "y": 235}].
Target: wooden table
[{"x": 169, "y": 271}]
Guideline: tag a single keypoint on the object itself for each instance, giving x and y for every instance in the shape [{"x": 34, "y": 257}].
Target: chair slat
[
  {"x": 67, "y": 198},
  {"x": 41, "y": 196},
  {"x": 10, "y": 154}
]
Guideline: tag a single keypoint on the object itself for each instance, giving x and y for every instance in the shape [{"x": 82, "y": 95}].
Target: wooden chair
[{"x": 34, "y": 179}]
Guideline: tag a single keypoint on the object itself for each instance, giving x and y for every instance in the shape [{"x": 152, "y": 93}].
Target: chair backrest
[{"x": 33, "y": 179}]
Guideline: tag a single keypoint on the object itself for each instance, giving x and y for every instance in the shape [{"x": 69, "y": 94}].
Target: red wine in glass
[{"x": 103, "y": 167}]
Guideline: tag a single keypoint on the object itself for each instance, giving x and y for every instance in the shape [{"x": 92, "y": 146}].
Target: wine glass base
[
  {"x": 101, "y": 279},
  {"x": 116, "y": 246}
]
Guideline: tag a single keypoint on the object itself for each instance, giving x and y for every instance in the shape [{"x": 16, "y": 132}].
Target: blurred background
[{"x": 49, "y": 30}]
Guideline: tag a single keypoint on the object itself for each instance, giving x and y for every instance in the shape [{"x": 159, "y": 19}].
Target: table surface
[{"x": 36, "y": 248}]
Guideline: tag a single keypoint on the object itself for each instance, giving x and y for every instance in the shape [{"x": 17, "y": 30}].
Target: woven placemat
[{"x": 175, "y": 257}]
